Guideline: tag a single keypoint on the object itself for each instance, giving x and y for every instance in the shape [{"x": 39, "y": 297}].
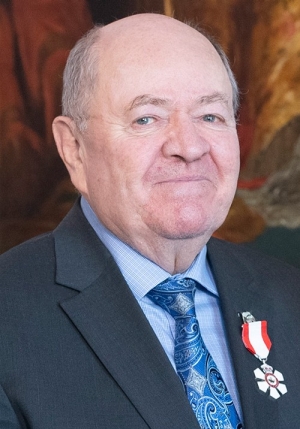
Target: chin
[
  {"x": 185, "y": 221},
  {"x": 184, "y": 235},
  {"x": 183, "y": 230}
]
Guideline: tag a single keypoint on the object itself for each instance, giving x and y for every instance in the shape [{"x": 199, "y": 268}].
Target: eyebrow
[
  {"x": 145, "y": 99},
  {"x": 213, "y": 98}
]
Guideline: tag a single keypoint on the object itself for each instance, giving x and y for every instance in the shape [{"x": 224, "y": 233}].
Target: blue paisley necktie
[{"x": 203, "y": 383}]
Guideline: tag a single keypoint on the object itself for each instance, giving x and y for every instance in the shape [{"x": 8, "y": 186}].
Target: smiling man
[
  {"x": 159, "y": 160},
  {"x": 128, "y": 314}
]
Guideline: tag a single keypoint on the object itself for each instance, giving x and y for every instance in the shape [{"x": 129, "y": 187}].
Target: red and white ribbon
[{"x": 256, "y": 339}]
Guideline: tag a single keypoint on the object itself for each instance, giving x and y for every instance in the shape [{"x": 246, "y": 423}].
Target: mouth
[
  {"x": 183, "y": 179},
  {"x": 195, "y": 186}
]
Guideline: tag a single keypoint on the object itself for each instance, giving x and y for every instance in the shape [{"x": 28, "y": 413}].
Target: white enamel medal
[{"x": 256, "y": 340}]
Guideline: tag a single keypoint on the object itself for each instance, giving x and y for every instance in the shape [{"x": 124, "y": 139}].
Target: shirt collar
[{"x": 140, "y": 273}]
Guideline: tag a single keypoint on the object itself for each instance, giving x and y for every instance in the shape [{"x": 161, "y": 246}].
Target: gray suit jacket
[{"x": 76, "y": 351}]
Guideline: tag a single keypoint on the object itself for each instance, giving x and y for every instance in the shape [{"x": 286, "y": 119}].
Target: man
[{"x": 149, "y": 139}]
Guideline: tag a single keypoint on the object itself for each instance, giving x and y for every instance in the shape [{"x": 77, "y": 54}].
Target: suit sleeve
[{"x": 8, "y": 418}]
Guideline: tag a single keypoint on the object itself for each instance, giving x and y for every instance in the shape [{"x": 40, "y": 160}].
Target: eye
[
  {"x": 145, "y": 120},
  {"x": 210, "y": 118}
]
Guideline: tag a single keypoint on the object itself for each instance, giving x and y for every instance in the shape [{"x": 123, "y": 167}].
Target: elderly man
[{"x": 128, "y": 316}]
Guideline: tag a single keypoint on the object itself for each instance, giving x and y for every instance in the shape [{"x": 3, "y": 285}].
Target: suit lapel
[
  {"x": 239, "y": 292},
  {"x": 111, "y": 321}
]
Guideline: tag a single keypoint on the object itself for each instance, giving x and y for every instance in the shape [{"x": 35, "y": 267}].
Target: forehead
[{"x": 166, "y": 56}]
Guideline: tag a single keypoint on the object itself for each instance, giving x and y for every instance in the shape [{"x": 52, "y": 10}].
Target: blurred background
[{"x": 262, "y": 41}]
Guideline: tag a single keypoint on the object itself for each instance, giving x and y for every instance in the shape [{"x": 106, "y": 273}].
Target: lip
[{"x": 184, "y": 179}]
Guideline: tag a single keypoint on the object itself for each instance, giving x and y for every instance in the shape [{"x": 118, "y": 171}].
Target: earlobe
[{"x": 69, "y": 148}]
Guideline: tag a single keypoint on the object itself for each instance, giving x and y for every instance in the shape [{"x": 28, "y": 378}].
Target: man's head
[
  {"x": 82, "y": 71},
  {"x": 153, "y": 145}
]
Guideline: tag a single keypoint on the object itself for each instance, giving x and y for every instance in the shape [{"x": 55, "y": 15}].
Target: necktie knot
[{"x": 176, "y": 296}]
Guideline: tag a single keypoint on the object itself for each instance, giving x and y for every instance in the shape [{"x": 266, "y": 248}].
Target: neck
[{"x": 174, "y": 256}]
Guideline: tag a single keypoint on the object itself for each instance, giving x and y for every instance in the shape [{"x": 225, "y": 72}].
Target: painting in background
[
  {"x": 35, "y": 38},
  {"x": 262, "y": 40}
]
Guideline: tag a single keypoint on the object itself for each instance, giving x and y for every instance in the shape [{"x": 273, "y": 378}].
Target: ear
[{"x": 69, "y": 145}]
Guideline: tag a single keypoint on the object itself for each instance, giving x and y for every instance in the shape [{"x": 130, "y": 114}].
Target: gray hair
[
  {"x": 233, "y": 82},
  {"x": 81, "y": 76},
  {"x": 225, "y": 61}
]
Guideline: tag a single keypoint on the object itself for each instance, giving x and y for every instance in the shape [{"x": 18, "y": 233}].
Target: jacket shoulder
[
  {"x": 28, "y": 259},
  {"x": 237, "y": 258}
]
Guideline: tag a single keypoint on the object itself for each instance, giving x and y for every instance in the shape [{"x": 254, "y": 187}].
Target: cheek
[
  {"x": 98, "y": 172},
  {"x": 118, "y": 176},
  {"x": 133, "y": 163},
  {"x": 227, "y": 157}
]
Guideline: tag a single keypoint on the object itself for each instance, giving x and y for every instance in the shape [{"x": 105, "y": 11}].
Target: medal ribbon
[{"x": 256, "y": 339}]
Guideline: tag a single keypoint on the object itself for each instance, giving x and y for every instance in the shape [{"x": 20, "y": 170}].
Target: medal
[{"x": 256, "y": 340}]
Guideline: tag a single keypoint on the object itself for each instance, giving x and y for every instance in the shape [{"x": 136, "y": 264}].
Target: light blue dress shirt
[{"x": 142, "y": 275}]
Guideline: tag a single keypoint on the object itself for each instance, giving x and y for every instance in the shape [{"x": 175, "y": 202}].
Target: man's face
[{"x": 161, "y": 154}]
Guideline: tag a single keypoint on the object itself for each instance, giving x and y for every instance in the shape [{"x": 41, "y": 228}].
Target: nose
[{"x": 185, "y": 140}]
